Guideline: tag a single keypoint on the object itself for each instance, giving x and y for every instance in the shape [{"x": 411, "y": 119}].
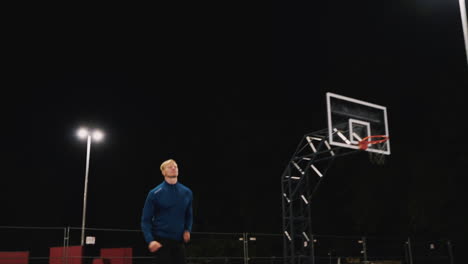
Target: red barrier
[
  {"x": 117, "y": 255},
  {"x": 74, "y": 255},
  {"x": 20, "y": 257},
  {"x": 101, "y": 261}
]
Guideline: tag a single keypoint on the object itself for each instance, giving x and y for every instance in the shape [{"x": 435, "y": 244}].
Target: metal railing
[{"x": 232, "y": 248}]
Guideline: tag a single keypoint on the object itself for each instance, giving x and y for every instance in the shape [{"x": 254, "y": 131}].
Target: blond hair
[{"x": 163, "y": 165}]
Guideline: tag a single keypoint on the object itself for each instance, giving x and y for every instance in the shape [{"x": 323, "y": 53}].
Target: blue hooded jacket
[{"x": 167, "y": 212}]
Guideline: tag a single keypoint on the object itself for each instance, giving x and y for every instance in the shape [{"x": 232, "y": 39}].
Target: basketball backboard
[{"x": 351, "y": 120}]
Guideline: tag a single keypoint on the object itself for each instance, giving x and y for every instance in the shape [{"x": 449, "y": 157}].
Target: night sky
[{"x": 228, "y": 92}]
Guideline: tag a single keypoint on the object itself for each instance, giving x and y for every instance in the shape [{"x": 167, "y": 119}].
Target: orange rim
[{"x": 364, "y": 143}]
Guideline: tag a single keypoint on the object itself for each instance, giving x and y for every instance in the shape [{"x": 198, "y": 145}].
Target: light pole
[
  {"x": 96, "y": 135},
  {"x": 464, "y": 25}
]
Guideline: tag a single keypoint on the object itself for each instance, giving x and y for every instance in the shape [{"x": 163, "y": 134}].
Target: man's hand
[
  {"x": 154, "y": 246},
  {"x": 186, "y": 236}
]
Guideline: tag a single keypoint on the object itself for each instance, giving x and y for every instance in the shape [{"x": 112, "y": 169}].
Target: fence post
[
  {"x": 364, "y": 248},
  {"x": 246, "y": 248},
  {"x": 449, "y": 247},
  {"x": 312, "y": 240},
  {"x": 64, "y": 249},
  {"x": 68, "y": 245},
  {"x": 410, "y": 253}
]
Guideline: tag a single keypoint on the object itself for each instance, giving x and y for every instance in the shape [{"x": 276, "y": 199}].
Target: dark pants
[{"x": 171, "y": 252}]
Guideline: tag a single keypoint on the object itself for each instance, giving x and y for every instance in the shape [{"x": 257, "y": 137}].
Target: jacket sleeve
[
  {"x": 189, "y": 215},
  {"x": 147, "y": 219}
]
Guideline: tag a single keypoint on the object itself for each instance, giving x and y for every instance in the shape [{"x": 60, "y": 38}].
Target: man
[{"x": 167, "y": 217}]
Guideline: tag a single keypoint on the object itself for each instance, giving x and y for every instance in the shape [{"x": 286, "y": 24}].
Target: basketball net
[{"x": 378, "y": 144}]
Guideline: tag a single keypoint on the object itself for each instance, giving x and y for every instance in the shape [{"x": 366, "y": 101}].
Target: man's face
[{"x": 171, "y": 170}]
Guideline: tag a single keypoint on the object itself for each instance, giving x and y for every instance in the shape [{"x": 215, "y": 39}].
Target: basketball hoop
[
  {"x": 376, "y": 158},
  {"x": 365, "y": 142}
]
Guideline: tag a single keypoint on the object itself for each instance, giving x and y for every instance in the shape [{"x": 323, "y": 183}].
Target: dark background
[{"x": 228, "y": 91}]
